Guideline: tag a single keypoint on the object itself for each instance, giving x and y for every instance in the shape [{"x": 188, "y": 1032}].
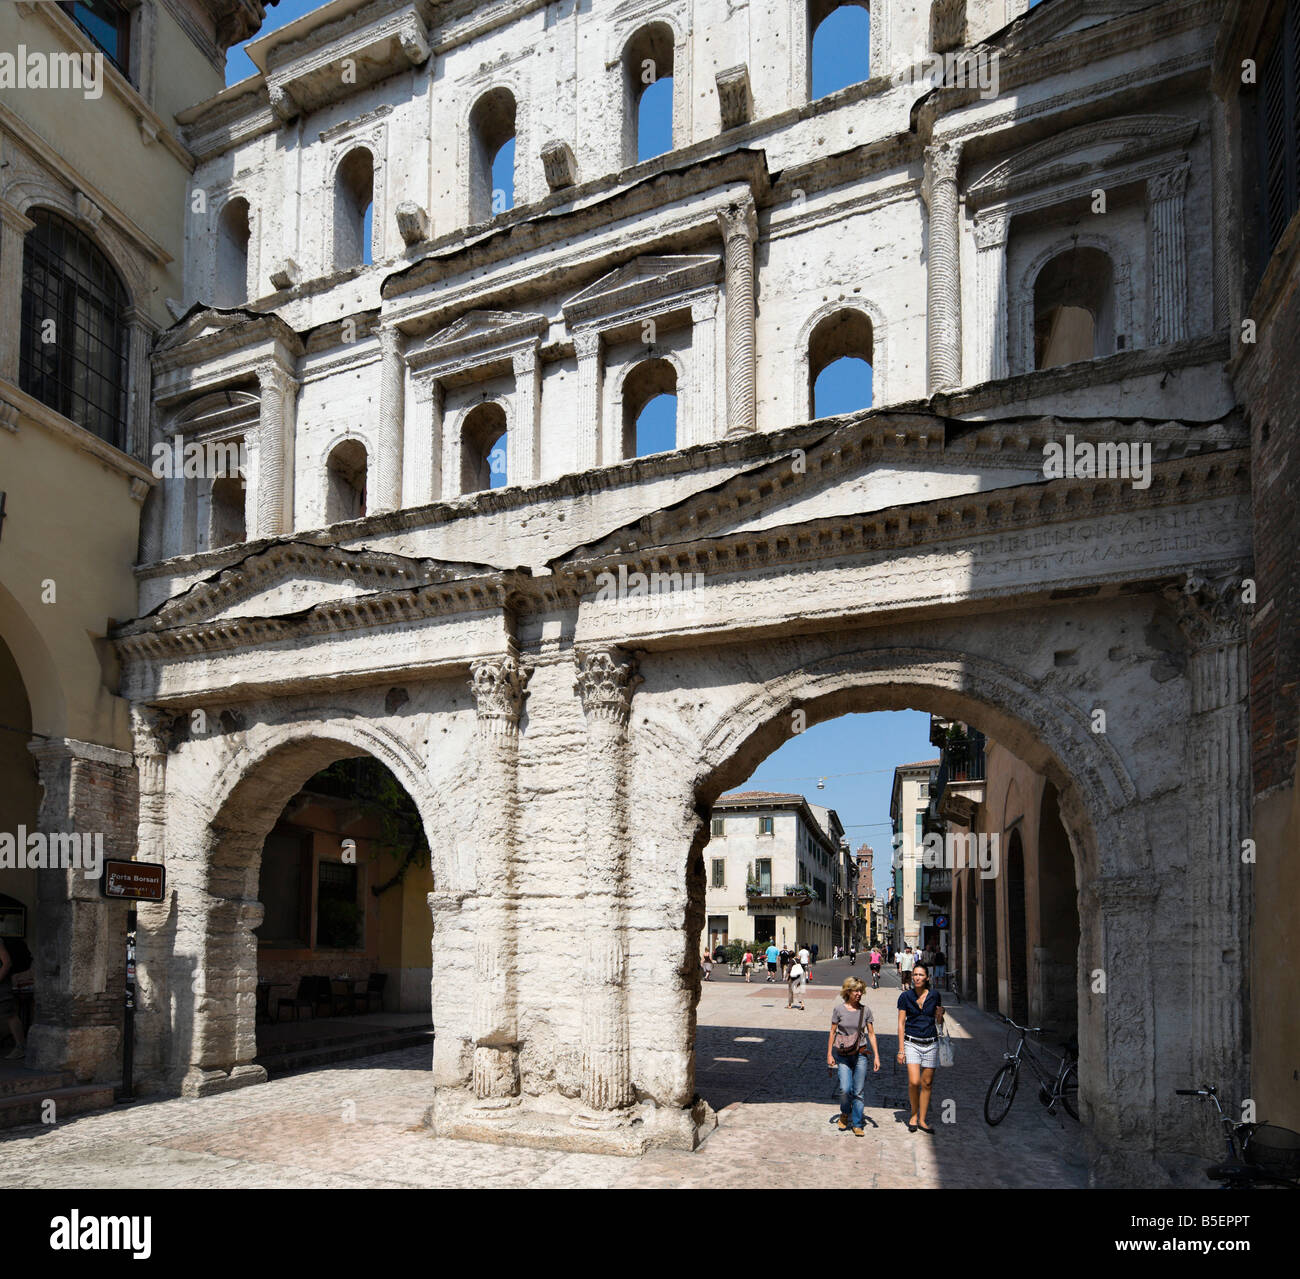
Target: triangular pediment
[
  {"x": 289, "y": 578},
  {"x": 477, "y": 335},
  {"x": 869, "y": 463},
  {"x": 1046, "y": 22},
  {"x": 1088, "y": 149},
  {"x": 647, "y": 279},
  {"x": 202, "y": 326}
]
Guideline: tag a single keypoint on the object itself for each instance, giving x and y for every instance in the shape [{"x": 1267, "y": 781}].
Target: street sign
[
  {"x": 133, "y": 881},
  {"x": 941, "y": 922}
]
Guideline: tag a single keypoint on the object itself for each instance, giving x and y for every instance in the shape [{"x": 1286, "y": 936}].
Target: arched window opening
[
  {"x": 73, "y": 351},
  {"x": 345, "y": 497},
  {"x": 1074, "y": 308},
  {"x": 492, "y": 155},
  {"x": 226, "y": 519},
  {"x": 840, "y": 49},
  {"x": 233, "y": 234},
  {"x": 354, "y": 190},
  {"x": 648, "y": 93},
  {"x": 840, "y": 353},
  {"x": 650, "y": 409},
  {"x": 484, "y": 457}
]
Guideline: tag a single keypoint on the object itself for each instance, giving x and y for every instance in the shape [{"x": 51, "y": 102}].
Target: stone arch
[
  {"x": 801, "y": 401},
  {"x": 475, "y": 168},
  {"x": 347, "y": 459},
  {"x": 1105, "y": 826},
  {"x": 478, "y": 427},
  {"x": 39, "y": 671},
  {"x": 619, "y": 378},
  {"x": 653, "y": 42},
  {"x": 627, "y": 22},
  {"x": 268, "y": 765},
  {"x": 642, "y": 382},
  {"x": 352, "y": 184},
  {"x": 1021, "y": 313},
  {"x": 233, "y": 276}
]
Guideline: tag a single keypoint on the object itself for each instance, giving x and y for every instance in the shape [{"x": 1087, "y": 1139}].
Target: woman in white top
[{"x": 794, "y": 983}]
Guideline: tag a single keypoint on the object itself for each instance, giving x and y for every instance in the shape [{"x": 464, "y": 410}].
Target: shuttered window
[{"x": 1279, "y": 132}]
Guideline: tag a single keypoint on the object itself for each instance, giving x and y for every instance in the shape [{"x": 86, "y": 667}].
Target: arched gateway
[{"x": 564, "y": 729}]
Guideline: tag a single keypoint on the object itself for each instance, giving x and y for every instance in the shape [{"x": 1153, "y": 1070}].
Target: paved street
[{"x": 760, "y": 1065}]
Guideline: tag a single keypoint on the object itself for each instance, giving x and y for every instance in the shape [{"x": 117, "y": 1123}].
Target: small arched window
[
  {"x": 345, "y": 496},
  {"x": 226, "y": 512},
  {"x": 233, "y": 235},
  {"x": 1074, "y": 308},
  {"x": 484, "y": 457},
  {"x": 354, "y": 194},
  {"x": 648, "y": 93},
  {"x": 73, "y": 349},
  {"x": 840, "y": 355},
  {"x": 492, "y": 155},
  {"x": 840, "y": 48},
  {"x": 650, "y": 409}
]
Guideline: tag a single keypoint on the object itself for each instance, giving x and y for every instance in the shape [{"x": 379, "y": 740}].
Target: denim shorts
[{"x": 921, "y": 1054}]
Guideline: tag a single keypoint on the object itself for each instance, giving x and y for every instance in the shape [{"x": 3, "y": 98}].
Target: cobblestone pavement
[{"x": 761, "y": 1066}]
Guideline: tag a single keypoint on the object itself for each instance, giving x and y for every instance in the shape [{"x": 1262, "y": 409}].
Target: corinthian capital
[
  {"x": 1210, "y": 611},
  {"x": 607, "y": 678},
  {"x": 1169, "y": 185},
  {"x": 942, "y": 160},
  {"x": 739, "y": 218},
  {"x": 151, "y": 730},
  {"x": 499, "y": 685}
]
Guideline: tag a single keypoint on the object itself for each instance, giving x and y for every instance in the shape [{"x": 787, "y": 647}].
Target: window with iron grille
[
  {"x": 108, "y": 24},
  {"x": 74, "y": 335},
  {"x": 1278, "y": 122}
]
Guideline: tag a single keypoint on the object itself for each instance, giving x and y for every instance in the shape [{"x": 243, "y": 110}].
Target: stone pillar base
[
  {"x": 557, "y": 1123},
  {"x": 92, "y": 1053},
  {"x": 205, "y": 1083}
]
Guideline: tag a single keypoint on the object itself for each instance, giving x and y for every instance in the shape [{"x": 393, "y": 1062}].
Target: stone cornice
[
  {"x": 897, "y": 437},
  {"x": 592, "y": 205},
  {"x": 477, "y": 338},
  {"x": 649, "y": 281},
  {"x": 186, "y": 346},
  {"x": 1173, "y": 483},
  {"x": 1025, "y": 59}
]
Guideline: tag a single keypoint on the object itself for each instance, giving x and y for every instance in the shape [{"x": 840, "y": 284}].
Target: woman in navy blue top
[{"x": 920, "y": 1014}]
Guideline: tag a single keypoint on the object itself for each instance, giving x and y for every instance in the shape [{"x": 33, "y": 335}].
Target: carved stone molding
[
  {"x": 559, "y": 165},
  {"x": 499, "y": 685},
  {"x": 1210, "y": 611},
  {"x": 607, "y": 678}
]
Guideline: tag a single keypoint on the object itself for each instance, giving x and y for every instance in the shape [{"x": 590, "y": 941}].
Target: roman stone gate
[{"x": 449, "y": 551}]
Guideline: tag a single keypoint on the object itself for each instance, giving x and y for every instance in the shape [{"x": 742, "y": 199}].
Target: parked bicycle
[
  {"x": 1259, "y": 1155},
  {"x": 1053, "y": 1090}
]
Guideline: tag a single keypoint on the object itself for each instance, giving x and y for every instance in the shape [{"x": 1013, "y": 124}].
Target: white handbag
[{"x": 945, "y": 1047}]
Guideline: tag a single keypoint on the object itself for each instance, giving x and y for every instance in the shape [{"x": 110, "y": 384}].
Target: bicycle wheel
[
  {"x": 1070, "y": 1091},
  {"x": 1001, "y": 1093}
]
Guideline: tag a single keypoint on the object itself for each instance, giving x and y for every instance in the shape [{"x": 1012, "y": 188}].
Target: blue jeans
[{"x": 853, "y": 1080}]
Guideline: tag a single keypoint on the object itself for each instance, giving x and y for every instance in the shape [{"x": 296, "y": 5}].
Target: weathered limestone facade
[{"x": 564, "y": 741}]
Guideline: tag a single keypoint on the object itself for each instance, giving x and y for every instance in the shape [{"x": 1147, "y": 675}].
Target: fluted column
[
  {"x": 586, "y": 344},
  {"x": 697, "y": 424},
  {"x": 991, "y": 296},
  {"x": 1168, "y": 255},
  {"x": 385, "y": 489},
  {"x": 1218, "y": 765},
  {"x": 149, "y": 731},
  {"x": 943, "y": 270},
  {"x": 499, "y": 686},
  {"x": 426, "y": 485},
  {"x": 521, "y": 442},
  {"x": 606, "y": 681},
  {"x": 13, "y": 227},
  {"x": 275, "y": 451},
  {"x": 739, "y": 231}
]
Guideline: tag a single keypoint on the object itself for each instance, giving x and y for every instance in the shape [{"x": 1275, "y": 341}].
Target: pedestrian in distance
[
  {"x": 898, "y": 962},
  {"x": 787, "y": 958},
  {"x": 707, "y": 961},
  {"x": 920, "y": 1018},
  {"x": 908, "y": 963},
  {"x": 940, "y": 966},
  {"x": 851, "y": 1021},
  {"x": 773, "y": 956},
  {"x": 806, "y": 961},
  {"x": 794, "y": 985},
  {"x": 875, "y": 967},
  {"x": 747, "y": 963}
]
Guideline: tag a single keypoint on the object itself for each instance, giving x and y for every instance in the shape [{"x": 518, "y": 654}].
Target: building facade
[
  {"x": 775, "y": 872},
  {"x": 567, "y": 669},
  {"x": 909, "y": 801},
  {"x": 94, "y": 176}
]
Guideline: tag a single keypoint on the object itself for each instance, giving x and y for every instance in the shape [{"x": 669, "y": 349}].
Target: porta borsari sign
[{"x": 133, "y": 881}]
